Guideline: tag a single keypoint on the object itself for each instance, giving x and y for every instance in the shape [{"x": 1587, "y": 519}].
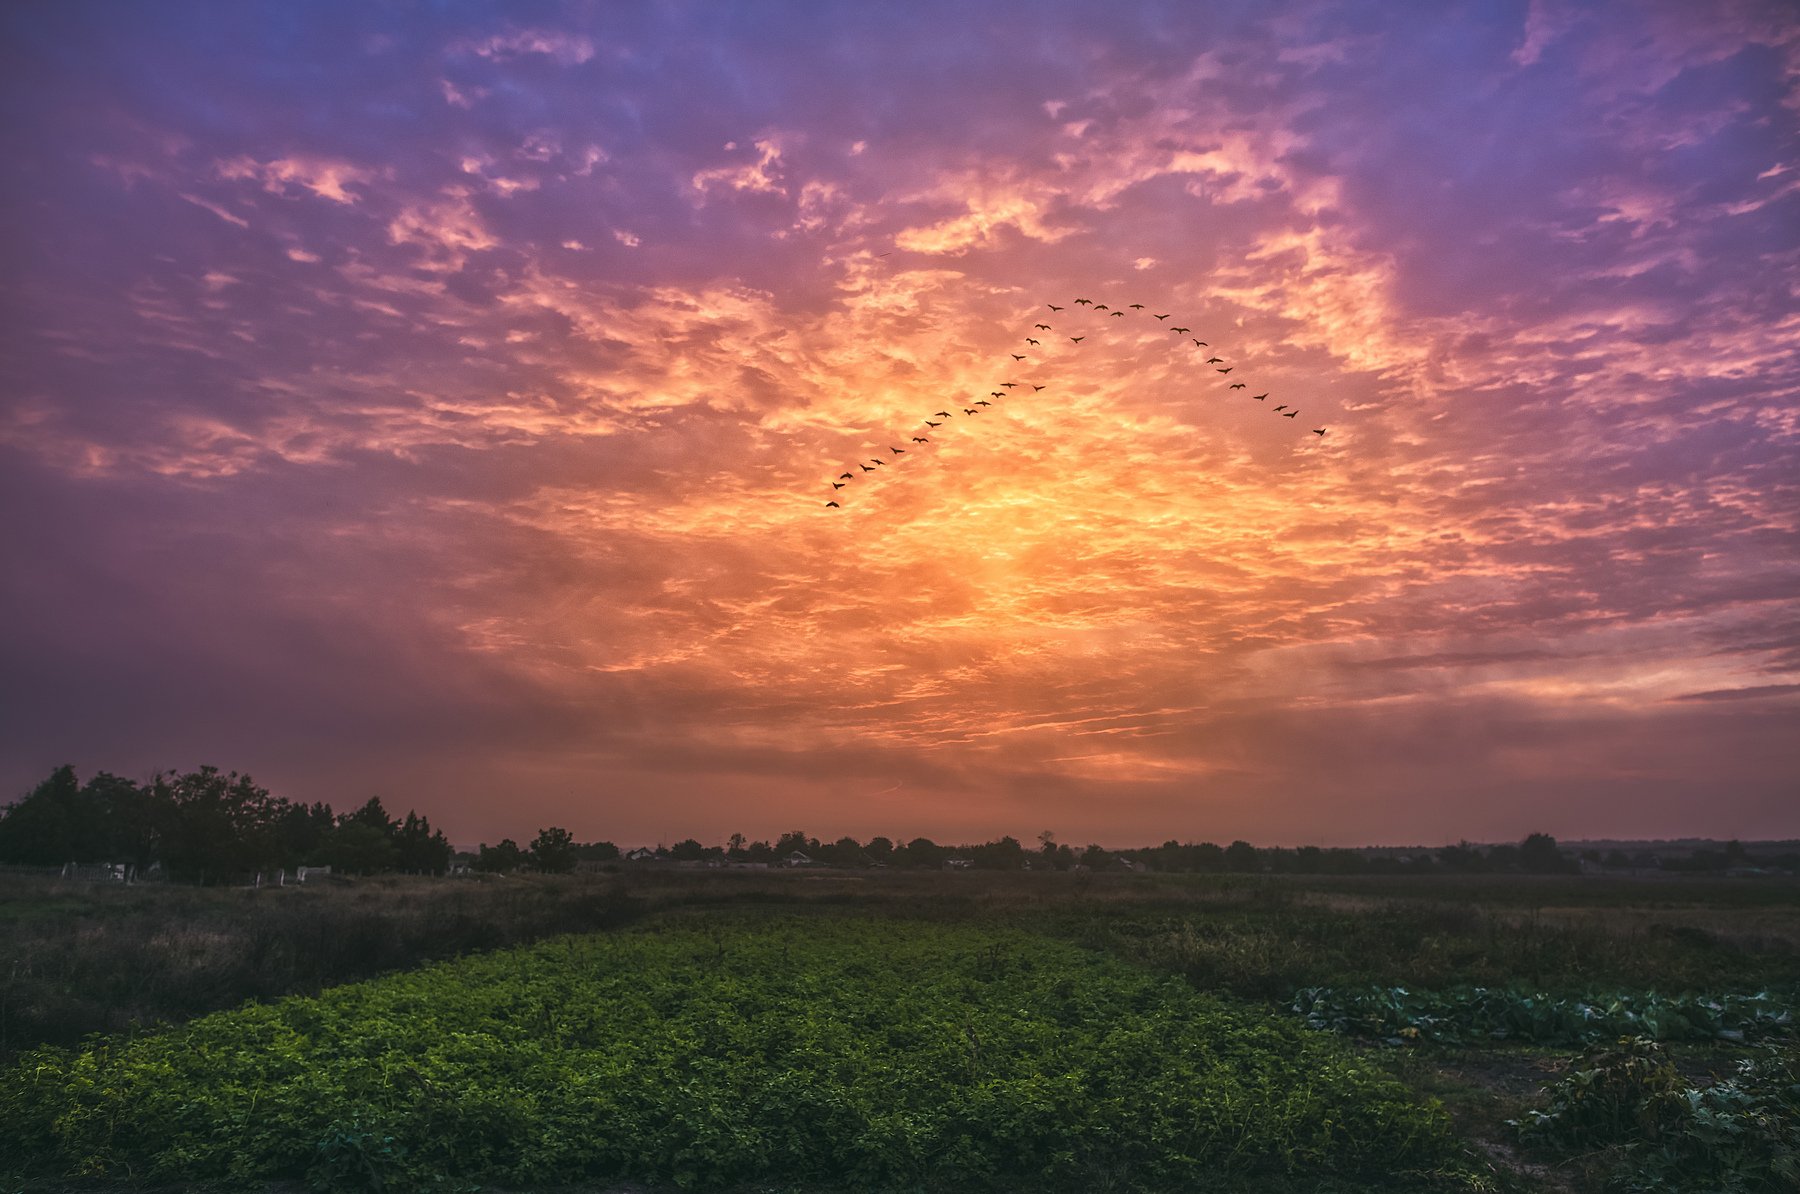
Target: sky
[{"x": 442, "y": 402}]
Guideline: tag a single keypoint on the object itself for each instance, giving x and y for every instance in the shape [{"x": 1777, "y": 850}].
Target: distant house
[
  {"x": 798, "y": 859},
  {"x": 641, "y": 854},
  {"x": 958, "y": 864}
]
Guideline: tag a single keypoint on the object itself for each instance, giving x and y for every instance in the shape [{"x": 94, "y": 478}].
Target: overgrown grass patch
[{"x": 866, "y": 1053}]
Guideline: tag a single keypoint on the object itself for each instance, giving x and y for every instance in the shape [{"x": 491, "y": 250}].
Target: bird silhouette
[
  {"x": 1017, "y": 357},
  {"x": 996, "y": 393},
  {"x": 1078, "y": 339},
  {"x": 944, "y": 413},
  {"x": 897, "y": 451},
  {"x": 983, "y": 402},
  {"x": 837, "y": 484},
  {"x": 1290, "y": 414},
  {"x": 929, "y": 423},
  {"x": 1215, "y": 360},
  {"x": 1102, "y": 307},
  {"x": 1118, "y": 315},
  {"x": 1082, "y": 302},
  {"x": 1009, "y": 384},
  {"x": 1318, "y": 431},
  {"x": 1283, "y": 406},
  {"x": 1035, "y": 389},
  {"x": 1162, "y": 316},
  {"x": 1029, "y": 340},
  {"x": 1199, "y": 344},
  {"x": 1237, "y": 385},
  {"x": 1226, "y": 370},
  {"x": 865, "y": 468},
  {"x": 834, "y": 504},
  {"x": 878, "y": 460},
  {"x": 1043, "y": 327},
  {"x": 1053, "y": 306},
  {"x": 919, "y": 439},
  {"x": 1181, "y": 331},
  {"x": 1260, "y": 397},
  {"x": 967, "y": 411},
  {"x": 845, "y": 477},
  {"x": 1137, "y": 306}
]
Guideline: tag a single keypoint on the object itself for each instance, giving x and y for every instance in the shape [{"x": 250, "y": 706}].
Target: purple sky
[{"x": 443, "y": 404}]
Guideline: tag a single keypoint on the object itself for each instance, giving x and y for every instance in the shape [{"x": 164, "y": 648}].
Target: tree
[
  {"x": 418, "y": 849},
  {"x": 687, "y": 850},
  {"x": 735, "y": 845},
  {"x": 358, "y": 848},
  {"x": 1538, "y": 854},
  {"x": 502, "y": 859},
  {"x": 1241, "y": 856},
  {"x": 554, "y": 851},
  {"x": 222, "y": 825},
  {"x": 51, "y": 825}
]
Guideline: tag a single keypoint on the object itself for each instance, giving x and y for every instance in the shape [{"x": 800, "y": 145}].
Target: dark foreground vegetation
[{"x": 1494, "y": 997}]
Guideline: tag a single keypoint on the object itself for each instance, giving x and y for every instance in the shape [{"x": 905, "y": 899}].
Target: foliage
[
  {"x": 863, "y": 1053},
  {"x": 1659, "y": 1134},
  {"x": 1400, "y": 1015}
]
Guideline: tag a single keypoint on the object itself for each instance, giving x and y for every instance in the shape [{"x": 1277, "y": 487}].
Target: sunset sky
[{"x": 442, "y": 402}]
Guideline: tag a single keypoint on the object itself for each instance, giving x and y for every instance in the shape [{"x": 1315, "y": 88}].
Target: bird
[
  {"x": 1053, "y": 306},
  {"x": 1017, "y": 357},
  {"x": 1237, "y": 385},
  {"x": 1137, "y": 306},
  {"x": 834, "y": 504},
  {"x": 919, "y": 439},
  {"x": 878, "y": 460},
  {"x": 1318, "y": 431},
  {"x": 1009, "y": 384},
  {"x": 1260, "y": 397},
  {"x": 1181, "y": 331},
  {"x": 1080, "y": 302},
  {"x": 1029, "y": 340},
  {"x": 929, "y": 423},
  {"x": 967, "y": 411},
  {"x": 897, "y": 451},
  {"x": 1162, "y": 316},
  {"x": 1035, "y": 389},
  {"x": 983, "y": 402},
  {"x": 996, "y": 393},
  {"x": 1215, "y": 360},
  {"x": 1102, "y": 307},
  {"x": 837, "y": 484},
  {"x": 1225, "y": 370},
  {"x": 1043, "y": 327},
  {"x": 865, "y": 468},
  {"x": 1290, "y": 414},
  {"x": 1118, "y": 314},
  {"x": 1201, "y": 344},
  {"x": 1078, "y": 339},
  {"x": 944, "y": 414},
  {"x": 845, "y": 477},
  {"x": 1283, "y": 406}
]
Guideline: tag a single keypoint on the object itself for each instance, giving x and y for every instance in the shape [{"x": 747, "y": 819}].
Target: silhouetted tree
[
  {"x": 1242, "y": 856},
  {"x": 554, "y": 851},
  {"x": 502, "y": 859}
]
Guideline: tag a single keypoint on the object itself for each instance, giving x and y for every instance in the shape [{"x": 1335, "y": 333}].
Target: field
[{"x": 875, "y": 1030}]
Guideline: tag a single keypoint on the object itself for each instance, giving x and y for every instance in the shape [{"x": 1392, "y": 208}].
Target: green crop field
[{"x": 868, "y": 1053}]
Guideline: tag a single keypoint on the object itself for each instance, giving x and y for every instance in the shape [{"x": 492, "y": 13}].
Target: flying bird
[
  {"x": 845, "y": 477},
  {"x": 1237, "y": 385},
  {"x": 1118, "y": 314},
  {"x": 1043, "y": 327},
  {"x": 983, "y": 402},
  {"x": 1163, "y": 316},
  {"x": 837, "y": 484},
  {"x": 878, "y": 460},
  {"x": 1078, "y": 339},
  {"x": 1200, "y": 344},
  {"x": 967, "y": 411},
  {"x": 865, "y": 468},
  {"x": 1009, "y": 384},
  {"x": 929, "y": 423},
  {"x": 1137, "y": 306},
  {"x": 996, "y": 393},
  {"x": 1080, "y": 302},
  {"x": 1029, "y": 340},
  {"x": 1181, "y": 331},
  {"x": 1225, "y": 370},
  {"x": 1053, "y": 306},
  {"x": 1290, "y": 414},
  {"x": 1017, "y": 357},
  {"x": 1102, "y": 307},
  {"x": 1318, "y": 431},
  {"x": 1260, "y": 397},
  {"x": 1035, "y": 389},
  {"x": 896, "y": 451},
  {"x": 944, "y": 414},
  {"x": 919, "y": 439},
  {"x": 834, "y": 504},
  {"x": 1215, "y": 360},
  {"x": 1283, "y": 406}
]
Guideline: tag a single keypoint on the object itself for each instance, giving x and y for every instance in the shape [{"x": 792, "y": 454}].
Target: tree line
[{"x": 206, "y": 826}]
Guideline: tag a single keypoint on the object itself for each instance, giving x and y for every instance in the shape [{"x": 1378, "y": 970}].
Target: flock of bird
[{"x": 876, "y": 463}]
